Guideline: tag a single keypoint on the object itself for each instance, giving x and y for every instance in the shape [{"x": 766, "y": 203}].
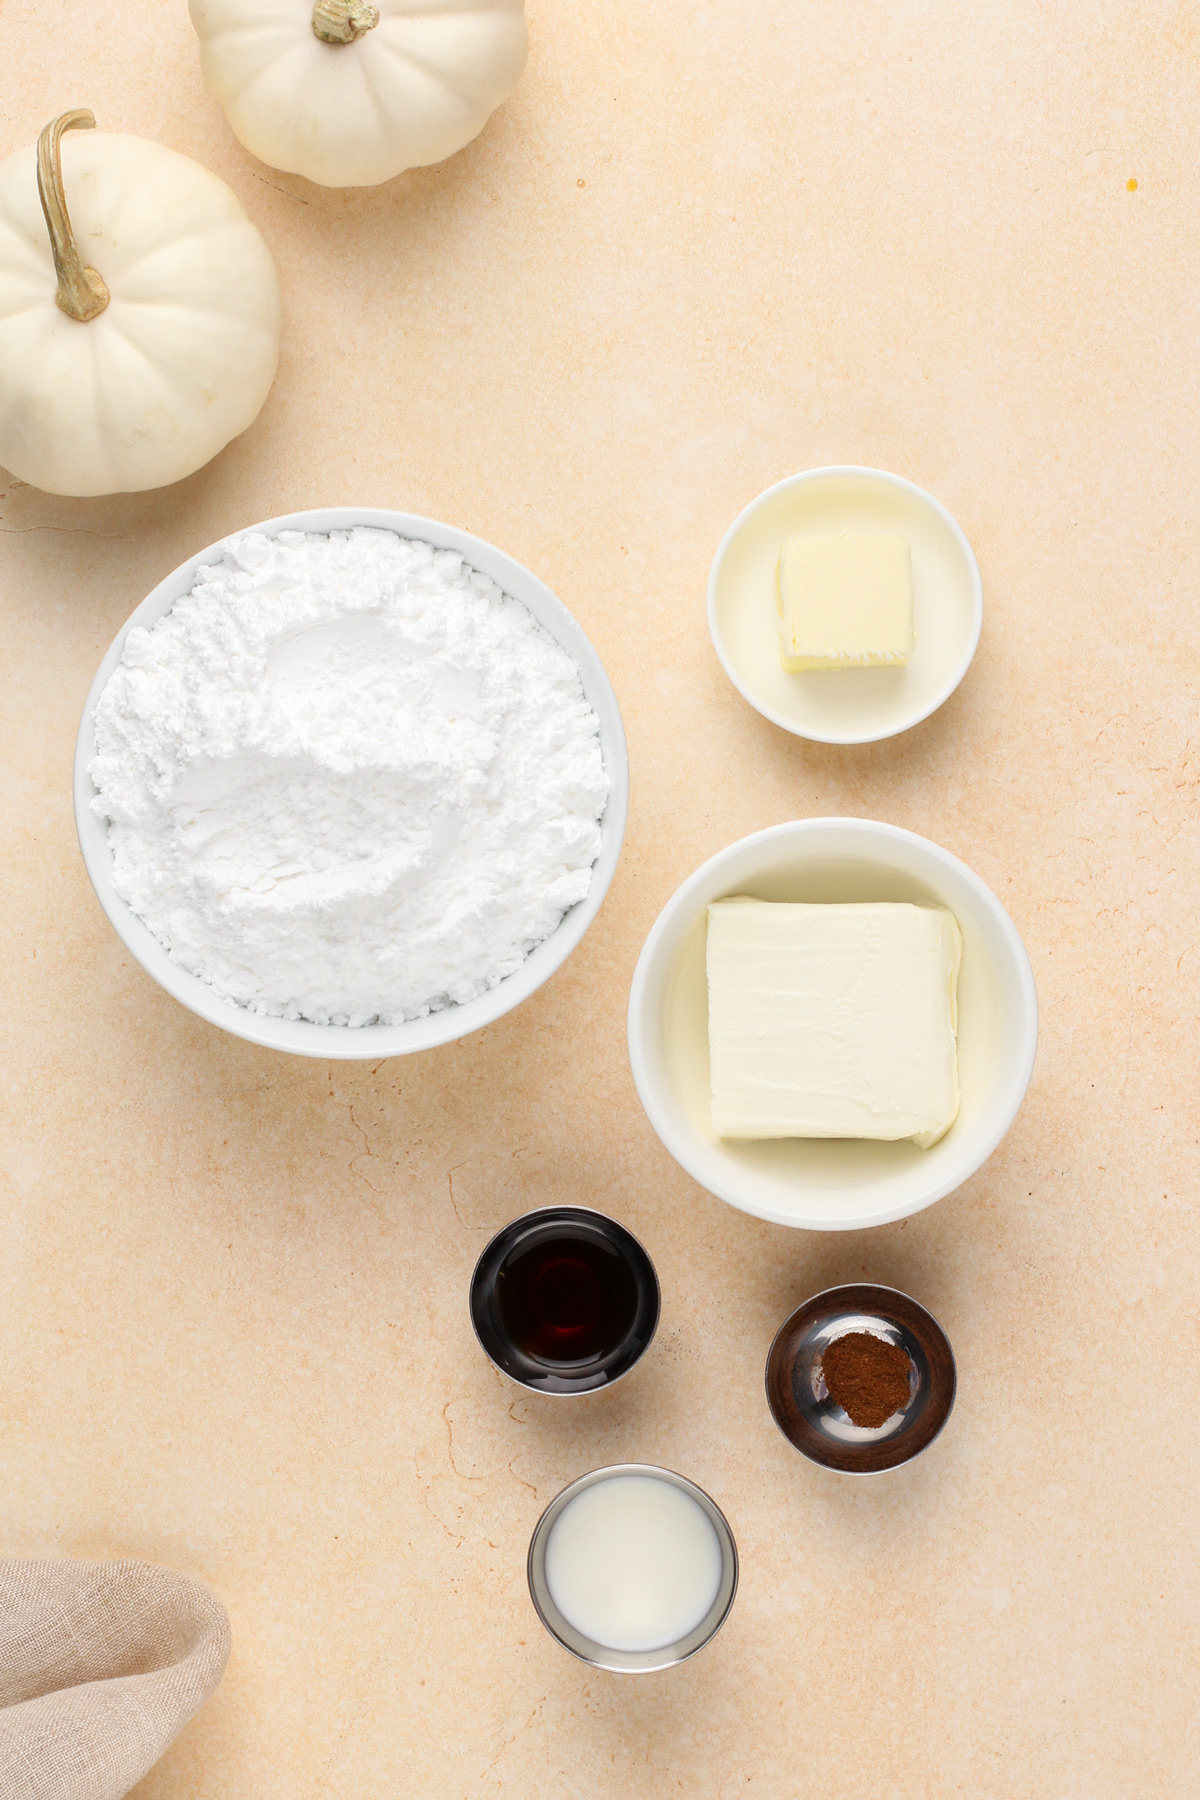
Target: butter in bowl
[{"x": 845, "y": 604}]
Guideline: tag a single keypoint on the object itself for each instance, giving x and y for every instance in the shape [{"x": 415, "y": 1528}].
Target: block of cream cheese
[
  {"x": 846, "y": 601},
  {"x": 833, "y": 1021}
]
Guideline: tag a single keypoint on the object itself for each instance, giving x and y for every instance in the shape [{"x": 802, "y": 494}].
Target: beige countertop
[{"x": 702, "y": 246}]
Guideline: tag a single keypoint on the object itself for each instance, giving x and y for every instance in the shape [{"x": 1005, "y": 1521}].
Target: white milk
[{"x": 633, "y": 1562}]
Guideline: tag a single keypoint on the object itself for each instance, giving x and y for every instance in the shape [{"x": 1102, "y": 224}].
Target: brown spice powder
[{"x": 867, "y": 1376}]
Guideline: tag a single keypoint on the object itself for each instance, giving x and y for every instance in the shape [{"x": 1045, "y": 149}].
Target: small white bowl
[
  {"x": 343, "y": 1042},
  {"x": 826, "y": 1184},
  {"x": 845, "y": 706}
]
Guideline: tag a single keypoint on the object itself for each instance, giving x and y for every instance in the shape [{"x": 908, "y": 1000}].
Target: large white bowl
[
  {"x": 367, "y": 1041},
  {"x": 845, "y": 706},
  {"x": 832, "y": 1184}
]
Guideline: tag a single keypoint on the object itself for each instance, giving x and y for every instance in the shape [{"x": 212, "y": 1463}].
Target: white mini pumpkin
[
  {"x": 135, "y": 376},
  {"x": 350, "y": 94}
]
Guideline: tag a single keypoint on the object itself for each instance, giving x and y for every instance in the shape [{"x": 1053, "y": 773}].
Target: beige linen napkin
[{"x": 101, "y": 1666}]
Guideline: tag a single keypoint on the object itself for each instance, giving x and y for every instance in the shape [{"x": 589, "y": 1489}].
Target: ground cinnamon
[{"x": 866, "y": 1376}]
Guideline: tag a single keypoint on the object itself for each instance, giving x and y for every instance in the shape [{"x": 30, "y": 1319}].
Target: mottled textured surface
[{"x": 701, "y": 247}]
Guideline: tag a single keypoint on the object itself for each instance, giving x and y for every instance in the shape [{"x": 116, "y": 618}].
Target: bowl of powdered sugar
[{"x": 351, "y": 783}]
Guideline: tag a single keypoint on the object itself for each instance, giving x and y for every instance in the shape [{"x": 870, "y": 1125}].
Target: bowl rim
[
  {"x": 883, "y": 1464},
  {"x": 590, "y": 1650},
  {"x": 801, "y": 479},
  {"x": 680, "y": 1143},
  {"x": 567, "y": 1212},
  {"x": 302, "y": 1037}
]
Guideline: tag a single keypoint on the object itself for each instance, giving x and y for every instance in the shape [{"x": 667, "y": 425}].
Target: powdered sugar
[{"x": 347, "y": 778}]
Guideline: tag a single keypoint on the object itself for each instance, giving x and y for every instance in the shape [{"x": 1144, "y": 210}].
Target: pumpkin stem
[
  {"x": 341, "y": 21},
  {"x": 81, "y": 293}
]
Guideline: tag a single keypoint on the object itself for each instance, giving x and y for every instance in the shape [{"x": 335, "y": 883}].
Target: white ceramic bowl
[
  {"x": 832, "y": 1184},
  {"x": 845, "y": 706},
  {"x": 368, "y": 1041}
]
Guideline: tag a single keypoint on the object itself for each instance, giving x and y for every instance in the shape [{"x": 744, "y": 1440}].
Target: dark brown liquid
[{"x": 569, "y": 1298}]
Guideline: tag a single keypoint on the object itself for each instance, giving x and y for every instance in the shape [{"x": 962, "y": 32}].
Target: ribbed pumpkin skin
[
  {"x": 184, "y": 355},
  {"x": 411, "y": 91}
]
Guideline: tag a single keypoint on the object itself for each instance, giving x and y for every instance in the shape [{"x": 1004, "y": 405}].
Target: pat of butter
[
  {"x": 845, "y": 602},
  {"x": 833, "y": 1021}
]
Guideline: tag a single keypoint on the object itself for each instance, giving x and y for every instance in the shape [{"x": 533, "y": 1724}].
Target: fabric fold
[{"x": 102, "y": 1664}]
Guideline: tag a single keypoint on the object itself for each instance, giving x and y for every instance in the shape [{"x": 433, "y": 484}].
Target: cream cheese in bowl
[
  {"x": 349, "y": 781},
  {"x": 831, "y": 1129}
]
